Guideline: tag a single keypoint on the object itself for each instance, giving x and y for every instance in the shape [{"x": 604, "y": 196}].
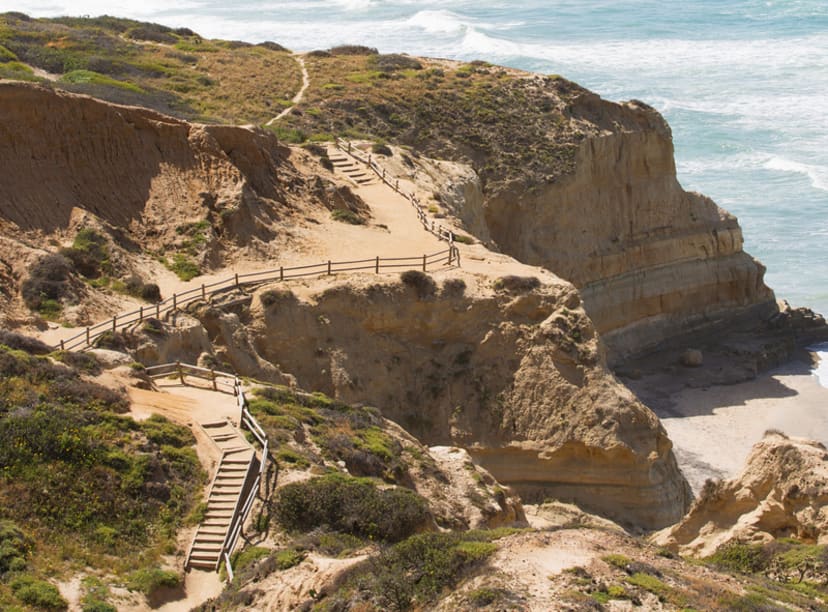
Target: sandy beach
[{"x": 713, "y": 428}]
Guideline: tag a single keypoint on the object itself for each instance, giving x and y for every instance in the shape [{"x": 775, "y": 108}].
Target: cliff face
[
  {"x": 134, "y": 169},
  {"x": 515, "y": 377},
  {"x": 651, "y": 260}
]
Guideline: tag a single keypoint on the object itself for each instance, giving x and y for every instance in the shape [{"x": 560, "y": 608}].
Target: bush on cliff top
[{"x": 351, "y": 505}]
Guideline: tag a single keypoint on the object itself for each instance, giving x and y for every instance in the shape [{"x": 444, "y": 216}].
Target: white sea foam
[
  {"x": 821, "y": 369},
  {"x": 818, "y": 175},
  {"x": 437, "y": 22}
]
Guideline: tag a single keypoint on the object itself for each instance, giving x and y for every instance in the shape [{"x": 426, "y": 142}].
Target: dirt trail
[
  {"x": 300, "y": 94},
  {"x": 187, "y": 405}
]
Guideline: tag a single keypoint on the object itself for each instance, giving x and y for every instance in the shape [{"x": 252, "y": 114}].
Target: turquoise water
[{"x": 743, "y": 83}]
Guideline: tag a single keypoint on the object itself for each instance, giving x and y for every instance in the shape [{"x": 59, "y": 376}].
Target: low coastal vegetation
[
  {"x": 173, "y": 70},
  {"x": 507, "y": 124},
  {"x": 81, "y": 483}
]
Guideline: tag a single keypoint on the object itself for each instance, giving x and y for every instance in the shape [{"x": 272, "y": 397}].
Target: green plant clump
[
  {"x": 147, "y": 581},
  {"x": 38, "y": 593},
  {"x": 351, "y": 505},
  {"x": 184, "y": 267},
  {"x": 419, "y": 569},
  {"x": 75, "y": 471},
  {"x": 347, "y": 216}
]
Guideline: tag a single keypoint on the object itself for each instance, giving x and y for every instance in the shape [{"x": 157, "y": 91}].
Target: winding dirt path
[{"x": 299, "y": 95}]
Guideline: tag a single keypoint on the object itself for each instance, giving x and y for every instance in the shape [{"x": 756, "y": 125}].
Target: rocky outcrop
[
  {"x": 511, "y": 372},
  {"x": 782, "y": 492},
  {"x": 651, "y": 260}
]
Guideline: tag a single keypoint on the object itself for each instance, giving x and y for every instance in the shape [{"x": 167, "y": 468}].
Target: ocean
[{"x": 743, "y": 83}]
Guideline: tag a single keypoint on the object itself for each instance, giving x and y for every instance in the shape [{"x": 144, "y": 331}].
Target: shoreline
[{"x": 713, "y": 428}]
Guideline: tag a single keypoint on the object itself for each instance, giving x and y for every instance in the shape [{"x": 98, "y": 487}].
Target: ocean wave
[
  {"x": 821, "y": 368},
  {"x": 438, "y": 22},
  {"x": 818, "y": 175}
]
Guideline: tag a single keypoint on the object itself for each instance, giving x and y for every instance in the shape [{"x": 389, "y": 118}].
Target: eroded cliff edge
[
  {"x": 560, "y": 178},
  {"x": 512, "y": 371}
]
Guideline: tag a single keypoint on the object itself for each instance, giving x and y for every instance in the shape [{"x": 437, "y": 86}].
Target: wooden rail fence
[
  {"x": 377, "y": 264},
  {"x": 232, "y": 384},
  {"x": 443, "y": 233}
]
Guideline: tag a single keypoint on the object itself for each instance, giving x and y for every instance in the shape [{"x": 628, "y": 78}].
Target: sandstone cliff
[
  {"x": 782, "y": 492},
  {"x": 143, "y": 174},
  {"x": 559, "y": 178},
  {"x": 510, "y": 371},
  {"x": 652, "y": 261}
]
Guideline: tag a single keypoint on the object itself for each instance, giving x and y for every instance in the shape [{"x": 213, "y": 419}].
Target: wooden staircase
[
  {"x": 357, "y": 172},
  {"x": 234, "y": 477}
]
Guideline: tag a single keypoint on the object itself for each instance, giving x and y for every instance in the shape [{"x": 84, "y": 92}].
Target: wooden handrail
[
  {"x": 85, "y": 338},
  {"x": 438, "y": 230}
]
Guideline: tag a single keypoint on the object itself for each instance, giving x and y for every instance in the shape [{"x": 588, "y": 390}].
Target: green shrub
[
  {"x": 98, "y": 606},
  {"x": 160, "y": 430},
  {"x": 285, "y": 559},
  {"x": 271, "y": 297},
  {"x": 421, "y": 567},
  {"x": 90, "y": 77},
  {"x": 89, "y": 253},
  {"x": 352, "y": 50},
  {"x": 735, "y": 556},
  {"x": 248, "y": 556},
  {"x": 184, "y": 267},
  {"x": 24, "y": 343},
  {"x": 484, "y": 596},
  {"x": 152, "y": 32},
  {"x": 392, "y": 62},
  {"x": 147, "y": 581},
  {"x": 516, "y": 284},
  {"x": 136, "y": 287},
  {"x": 48, "y": 282},
  {"x": 288, "y": 134},
  {"x": 347, "y": 216},
  {"x": 379, "y": 148},
  {"x": 351, "y": 505},
  {"x": 15, "y": 548},
  {"x": 462, "y": 239},
  {"x": 421, "y": 282},
  {"x": 38, "y": 593},
  {"x": 6, "y": 55},
  {"x": 454, "y": 287}
]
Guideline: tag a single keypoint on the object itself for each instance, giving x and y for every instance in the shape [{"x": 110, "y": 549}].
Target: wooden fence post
[
  {"x": 180, "y": 371},
  {"x": 157, "y": 310},
  {"x": 140, "y": 314},
  {"x": 377, "y": 267},
  {"x": 369, "y": 160},
  {"x": 203, "y": 292},
  {"x": 397, "y": 185},
  {"x": 175, "y": 302},
  {"x": 61, "y": 346},
  {"x": 213, "y": 375},
  {"x": 281, "y": 273},
  {"x": 424, "y": 263},
  {"x": 237, "y": 280},
  {"x": 329, "y": 267},
  {"x": 349, "y": 147},
  {"x": 88, "y": 341}
]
